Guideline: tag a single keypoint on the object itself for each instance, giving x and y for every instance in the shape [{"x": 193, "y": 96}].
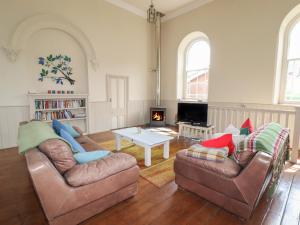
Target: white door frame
[{"x": 108, "y": 92}]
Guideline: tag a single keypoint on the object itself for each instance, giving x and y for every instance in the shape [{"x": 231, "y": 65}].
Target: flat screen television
[{"x": 195, "y": 113}]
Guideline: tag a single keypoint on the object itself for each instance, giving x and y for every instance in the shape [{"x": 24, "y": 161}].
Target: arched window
[
  {"x": 197, "y": 70},
  {"x": 193, "y": 67},
  {"x": 287, "y": 86},
  {"x": 292, "y": 66}
]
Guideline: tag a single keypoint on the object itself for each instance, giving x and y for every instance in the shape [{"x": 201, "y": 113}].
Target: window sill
[
  {"x": 291, "y": 104},
  {"x": 192, "y": 100}
]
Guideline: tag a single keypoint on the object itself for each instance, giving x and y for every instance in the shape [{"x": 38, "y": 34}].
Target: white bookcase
[{"x": 67, "y": 108}]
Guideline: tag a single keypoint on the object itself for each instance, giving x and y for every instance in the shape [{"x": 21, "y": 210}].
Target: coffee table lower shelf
[{"x": 147, "y": 148}]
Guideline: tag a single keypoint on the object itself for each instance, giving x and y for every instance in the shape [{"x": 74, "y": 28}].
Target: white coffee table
[{"x": 145, "y": 138}]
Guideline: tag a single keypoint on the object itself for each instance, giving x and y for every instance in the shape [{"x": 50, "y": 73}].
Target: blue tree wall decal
[{"x": 56, "y": 68}]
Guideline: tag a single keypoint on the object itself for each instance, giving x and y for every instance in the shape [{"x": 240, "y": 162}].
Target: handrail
[{"x": 222, "y": 114}]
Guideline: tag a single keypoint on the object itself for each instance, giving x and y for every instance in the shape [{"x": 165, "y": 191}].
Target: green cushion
[
  {"x": 244, "y": 131},
  {"x": 32, "y": 134}
]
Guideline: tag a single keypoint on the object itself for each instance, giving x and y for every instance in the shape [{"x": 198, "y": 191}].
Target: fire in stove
[{"x": 158, "y": 116}]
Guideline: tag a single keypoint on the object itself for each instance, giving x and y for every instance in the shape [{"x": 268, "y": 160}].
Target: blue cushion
[
  {"x": 90, "y": 156},
  {"x": 57, "y": 126},
  {"x": 69, "y": 128},
  {"x": 75, "y": 145}
]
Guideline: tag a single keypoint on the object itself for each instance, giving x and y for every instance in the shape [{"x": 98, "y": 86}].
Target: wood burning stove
[
  {"x": 157, "y": 113},
  {"x": 157, "y": 116}
]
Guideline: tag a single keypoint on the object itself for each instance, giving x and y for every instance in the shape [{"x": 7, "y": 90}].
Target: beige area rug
[{"x": 160, "y": 172}]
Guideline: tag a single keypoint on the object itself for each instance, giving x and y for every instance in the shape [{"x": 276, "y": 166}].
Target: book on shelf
[
  {"x": 59, "y": 104},
  {"x": 80, "y": 115},
  {"x": 62, "y": 114}
]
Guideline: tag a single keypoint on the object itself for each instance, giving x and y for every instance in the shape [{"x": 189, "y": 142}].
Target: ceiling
[
  {"x": 171, "y": 8},
  {"x": 164, "y": 6}
]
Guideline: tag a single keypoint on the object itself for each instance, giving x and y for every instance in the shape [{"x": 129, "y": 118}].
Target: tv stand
[
  {"x": 199, "y": 124},
  {"x": 191, "y": 130}
]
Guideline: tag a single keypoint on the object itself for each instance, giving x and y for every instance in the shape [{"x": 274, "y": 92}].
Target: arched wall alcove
[
  {"x": 34, "y": 24},
  {"x": 36, "y": 27},
  {"x": 46, "y": 21}
]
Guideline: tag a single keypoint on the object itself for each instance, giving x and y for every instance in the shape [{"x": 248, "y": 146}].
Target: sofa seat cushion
[
  {"x": 227, "y": 168},
  {"x": 88, "y": 144},
  {"x": 218, "y": 176},
  {"x": 94, "y": 171}
]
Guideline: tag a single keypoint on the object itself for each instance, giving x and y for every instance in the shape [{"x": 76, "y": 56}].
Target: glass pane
[
  {"x": 197, "y": 85},
  {"x": 292, "y": 91},
  {"x": 198, "y": 56},
  {"x": 294, "y": 42}
]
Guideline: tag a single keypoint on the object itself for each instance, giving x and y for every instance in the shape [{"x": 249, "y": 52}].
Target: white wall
[
  {"x": 22, "y": 76},
  {"x": 122, "y": 43},
  {"x": 243, "y": 36}
]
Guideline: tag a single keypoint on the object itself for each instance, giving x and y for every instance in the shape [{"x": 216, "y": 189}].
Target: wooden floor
[{"x": 165, "y": 206}]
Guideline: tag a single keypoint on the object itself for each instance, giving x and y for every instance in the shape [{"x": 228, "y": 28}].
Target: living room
[{"x": 148, "y": 86}]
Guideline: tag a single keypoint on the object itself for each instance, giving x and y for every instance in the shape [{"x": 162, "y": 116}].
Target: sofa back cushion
[
  {"x": 86, "y": 157},
  {"x": 243, "y": 157},
  {"x": 60, "y": 153},
  {"x": 88, "y": 144}
]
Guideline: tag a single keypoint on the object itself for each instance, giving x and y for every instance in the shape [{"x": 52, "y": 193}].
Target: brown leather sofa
[
  {"x": 225, "y": 184},
  {"x": 86, "y": 189}
]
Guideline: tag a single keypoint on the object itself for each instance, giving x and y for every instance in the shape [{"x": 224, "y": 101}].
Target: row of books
[
  {"x": 64, "y": 114},
  {"x": 59, "y": 104}
]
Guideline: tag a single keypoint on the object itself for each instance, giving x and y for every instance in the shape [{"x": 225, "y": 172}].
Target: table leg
[
  {"x": 166, "y": 149},
  {"x": 118, "y": 142},
  {"x": 147, "y": 156},
  {"x": 179, "y": 131}
]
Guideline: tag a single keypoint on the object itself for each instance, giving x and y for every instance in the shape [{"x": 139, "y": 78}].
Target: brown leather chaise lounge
[
  {"x": 95, "y": 186},
  {"x": 226, "y": 184}
]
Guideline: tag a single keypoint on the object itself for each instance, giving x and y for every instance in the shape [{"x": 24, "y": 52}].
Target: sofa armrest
[
  {"x": 251, "y": 180},
  {"x": 50, "y": 186}
]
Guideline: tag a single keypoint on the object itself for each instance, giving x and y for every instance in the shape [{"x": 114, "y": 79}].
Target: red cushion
[
  {"x": 248, "y": 124},
  {"x": 220, "y": 142}
]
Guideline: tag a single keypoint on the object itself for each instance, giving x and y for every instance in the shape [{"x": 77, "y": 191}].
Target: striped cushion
[
  {"x": 268, "y": 138},
  {"x": 212, "y": 154}
]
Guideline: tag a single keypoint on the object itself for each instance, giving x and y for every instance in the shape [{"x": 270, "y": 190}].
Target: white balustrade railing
[{"x": 221, "y": 115}]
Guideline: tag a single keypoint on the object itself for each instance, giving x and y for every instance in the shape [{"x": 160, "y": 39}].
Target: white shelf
[
  {"x": 58, "y": 109},
  {"x": 58, "y": 96},
  {"x": 71, "y": 119},
  {"x": 81, "y": 122}
]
